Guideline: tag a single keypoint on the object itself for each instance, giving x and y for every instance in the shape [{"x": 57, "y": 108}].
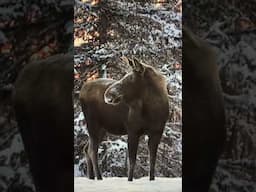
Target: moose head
[{"x": 130, "y": 86}]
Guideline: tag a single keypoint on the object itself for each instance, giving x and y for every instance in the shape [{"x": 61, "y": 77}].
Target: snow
[
  {"x": 15, "y": 147},
  {"x": 114, "y": 184},
  {"x": 77, "y": 171},
  {"x": 12, "y": 166}
]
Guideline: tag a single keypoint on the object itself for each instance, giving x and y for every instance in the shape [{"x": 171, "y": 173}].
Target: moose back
[{"x": 135, "y": 105}]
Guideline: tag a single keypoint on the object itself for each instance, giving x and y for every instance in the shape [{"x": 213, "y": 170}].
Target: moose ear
[
  {"x": 127, "y": 61},
  {"x": 131, "y": 63},
  {"x": 189, "y": 38},
  {"x": 138, "y": 66}
]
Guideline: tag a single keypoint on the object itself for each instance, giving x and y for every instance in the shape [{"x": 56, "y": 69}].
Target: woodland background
[
  {"x": 36, "y": 29},
  {"x": 151, "y": 31}
]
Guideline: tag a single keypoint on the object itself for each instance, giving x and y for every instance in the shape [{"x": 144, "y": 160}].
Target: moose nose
[
  {"x": 110, "y": 96},
  {"x": 107, "y": 99}
]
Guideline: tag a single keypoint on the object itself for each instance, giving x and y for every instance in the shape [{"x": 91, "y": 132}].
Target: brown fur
[
  {"x": 44, "y": 111},
  {"x": 135, "y": 105},
  {"x": 203, "y": 114}
]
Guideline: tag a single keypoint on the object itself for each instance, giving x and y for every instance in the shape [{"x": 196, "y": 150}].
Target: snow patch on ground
[{"x": 113, "y": 184}]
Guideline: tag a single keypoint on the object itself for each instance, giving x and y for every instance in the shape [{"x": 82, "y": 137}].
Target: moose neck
[{"x": 155, "y": 91}]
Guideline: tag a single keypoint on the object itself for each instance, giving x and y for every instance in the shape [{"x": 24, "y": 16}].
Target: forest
[{"x": 103, "y": 32}]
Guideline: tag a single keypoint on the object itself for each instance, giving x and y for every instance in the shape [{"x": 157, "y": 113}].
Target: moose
[
  {"x": 42, "y": 100},
  {"x": 204, "y": 129},
  {"x": 135, "y": 105}
]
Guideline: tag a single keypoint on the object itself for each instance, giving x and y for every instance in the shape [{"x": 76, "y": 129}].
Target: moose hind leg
[
  {"x": 90, "y": 172},
  {"x": 96, "y": 133},
  {"x": 133, "y": 141},
  {"x": 93, "y": 153},
  {"x": 153, "y": 142}
]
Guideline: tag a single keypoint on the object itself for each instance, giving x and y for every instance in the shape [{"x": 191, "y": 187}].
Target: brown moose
[
  {"x": 135, "y": 105},
  {"x": 44, "y": 112},
  {"x": 204, "y": 130}
]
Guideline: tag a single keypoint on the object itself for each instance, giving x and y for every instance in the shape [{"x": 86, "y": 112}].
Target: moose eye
[
  {"x": 148, "y": 71},
  {"x": 129, "y": 78}
]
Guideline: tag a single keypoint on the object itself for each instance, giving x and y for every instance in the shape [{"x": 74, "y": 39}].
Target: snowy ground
[{"x": 113, "y": 184}]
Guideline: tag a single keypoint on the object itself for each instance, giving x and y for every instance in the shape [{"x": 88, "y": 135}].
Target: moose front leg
[
  {"x": 154, "y": 140},
  {"x": 133, "y": 141}
]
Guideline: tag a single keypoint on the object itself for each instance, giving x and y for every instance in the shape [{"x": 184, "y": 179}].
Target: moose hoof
[
  {"x": 92, "y": 177},
  {"x": 152, "y": 178},
  {"x": 129, "y": 179},
  {"x": 99, "y": 178}
]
